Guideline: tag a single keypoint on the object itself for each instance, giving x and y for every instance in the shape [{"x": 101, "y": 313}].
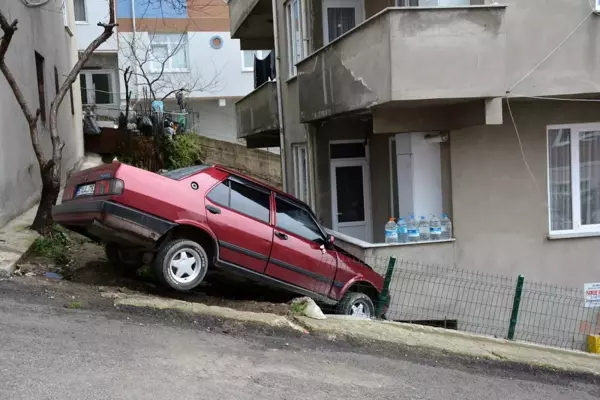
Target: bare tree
[
  {"x": 153, "y": 69},
  {"x": 50, "y": 169}
]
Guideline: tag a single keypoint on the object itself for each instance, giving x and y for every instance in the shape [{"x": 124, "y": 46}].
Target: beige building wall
[{"x": 41, "y": 30}]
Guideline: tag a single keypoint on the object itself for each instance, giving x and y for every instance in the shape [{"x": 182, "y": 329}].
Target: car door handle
[
  {"x": 213, "y": 209},
  {"x": 281, "y": 235}
]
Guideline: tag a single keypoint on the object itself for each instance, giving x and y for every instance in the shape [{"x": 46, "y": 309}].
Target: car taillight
[{"x": 109, "y": 187}]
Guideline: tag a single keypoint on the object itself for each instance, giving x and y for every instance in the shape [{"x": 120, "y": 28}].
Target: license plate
[{"x": 85, "y": 190}]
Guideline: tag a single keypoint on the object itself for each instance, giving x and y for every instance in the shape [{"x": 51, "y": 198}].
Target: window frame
[
  {"x": 292, "y": 70},
  {"x": 181, "y": 44},
  {"x": 89, "y": 80},
  {"x": 577, "y": 228},
  {"x": 303, "y": 208},
  {"x": 40, "y": 69},
  {"x": 359, "y": 15},
  {"x": 85, "y": 10},
  {"x": 251, "y": 185},
  {"x": 299, "y": 187},
  {"x": 262, "y": 56}
]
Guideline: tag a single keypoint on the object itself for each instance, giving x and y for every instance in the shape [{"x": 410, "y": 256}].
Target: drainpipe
[
  {"x": 279, "y": 98},
  {"x": 134, "y": 26}
]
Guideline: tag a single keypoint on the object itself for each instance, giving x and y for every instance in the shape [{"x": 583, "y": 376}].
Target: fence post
[
  {"x": 384, "y": 297},
  {"x": 515, "y": 308}
]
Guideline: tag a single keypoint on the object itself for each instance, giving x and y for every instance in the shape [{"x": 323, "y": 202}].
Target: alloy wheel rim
[{"x": 185, "y": 265}]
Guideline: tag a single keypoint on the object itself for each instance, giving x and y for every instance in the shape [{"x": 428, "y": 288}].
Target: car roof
[{"x": 257, "y": 182}]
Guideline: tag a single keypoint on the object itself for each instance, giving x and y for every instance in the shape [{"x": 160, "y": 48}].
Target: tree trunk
[{"x": 50, "y": 189}]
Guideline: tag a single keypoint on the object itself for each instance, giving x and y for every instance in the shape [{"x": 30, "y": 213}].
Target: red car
[{"x": 189, "y": 221}]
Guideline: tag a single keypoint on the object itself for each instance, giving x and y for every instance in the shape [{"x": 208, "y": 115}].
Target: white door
[
  {"x": 339, "y": 16},
  {"x": 351, "y": 198}
]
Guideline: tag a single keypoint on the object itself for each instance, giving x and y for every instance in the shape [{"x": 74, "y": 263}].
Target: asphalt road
[{"x": 51, "y": 352}]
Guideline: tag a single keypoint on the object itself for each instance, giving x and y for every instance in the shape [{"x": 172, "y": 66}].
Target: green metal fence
[{"x": 514, "y": 308}]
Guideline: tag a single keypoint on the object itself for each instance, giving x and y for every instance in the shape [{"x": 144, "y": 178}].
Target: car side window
[
  {"x": 297, "y": 221},
  {"x": 243, "y": 199},
  {"x": 220, "y": 194},
  {"x": 252, "y": 202}
]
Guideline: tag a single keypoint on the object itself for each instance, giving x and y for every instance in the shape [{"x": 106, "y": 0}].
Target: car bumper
[{"x": 111, "y": 222}]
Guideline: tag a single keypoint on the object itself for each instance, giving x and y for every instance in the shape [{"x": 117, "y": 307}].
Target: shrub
[{"x": 181, "y": 150}]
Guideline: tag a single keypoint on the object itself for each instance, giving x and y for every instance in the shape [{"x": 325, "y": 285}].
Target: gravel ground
[{"x": 62, "y": 340}]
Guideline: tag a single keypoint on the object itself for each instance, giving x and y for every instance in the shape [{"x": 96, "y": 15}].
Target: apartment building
[
  {"x": 42, "y": 53},
  {"x": 487, "y": 111},
  {"x": 173, "y": 45}
]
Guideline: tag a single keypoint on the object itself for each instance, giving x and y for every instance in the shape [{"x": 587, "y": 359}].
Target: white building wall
[
  {"x": 42, "y": 30},
  {"x": 87, "y": 31}
]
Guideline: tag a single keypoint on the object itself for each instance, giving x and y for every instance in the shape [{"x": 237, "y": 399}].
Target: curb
[{"x": 417, "y": 336}]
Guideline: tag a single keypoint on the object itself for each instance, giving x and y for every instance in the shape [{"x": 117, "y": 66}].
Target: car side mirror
[{"x": 330, "y": 239}]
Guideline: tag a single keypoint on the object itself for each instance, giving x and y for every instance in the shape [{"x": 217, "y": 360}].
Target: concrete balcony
[
  {"x": 258, "y": 117},
  {"x": 251, "y": 21},
  {"x": 404, "y": 56}
]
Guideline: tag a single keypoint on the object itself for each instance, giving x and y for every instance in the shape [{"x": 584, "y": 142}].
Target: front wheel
[
  {"x": 356, "y": 304},
  {"x": 181, "y": 264}
]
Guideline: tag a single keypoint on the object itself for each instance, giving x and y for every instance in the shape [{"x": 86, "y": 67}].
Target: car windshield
[{"x": 181, "y": 173}]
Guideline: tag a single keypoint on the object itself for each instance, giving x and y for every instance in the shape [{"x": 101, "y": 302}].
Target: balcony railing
[{"x": 401, "y": 55}]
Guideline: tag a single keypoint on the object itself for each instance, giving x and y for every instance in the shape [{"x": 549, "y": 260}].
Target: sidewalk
[
  {"x": 423, "y": 337},
  {"x": 16, "y": 237}
]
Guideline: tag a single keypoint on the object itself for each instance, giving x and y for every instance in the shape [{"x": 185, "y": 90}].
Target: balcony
[
  {"x": 407, "y": 56},
  {"x": 251, "y": 21},
  {"x": 258, "y": 117}
]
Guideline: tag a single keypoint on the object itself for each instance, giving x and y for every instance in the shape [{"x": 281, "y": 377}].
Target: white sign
[{"x": 592, "y": 294}]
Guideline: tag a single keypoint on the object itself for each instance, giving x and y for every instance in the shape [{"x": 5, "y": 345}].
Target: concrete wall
[
  {"x": 86, "y": 32},
  {"x": 501, "y": 217},
  {"x": 258, "y": 113},
  {"x": 259, "y": 164},
  {"x": 44, "y": 32}
]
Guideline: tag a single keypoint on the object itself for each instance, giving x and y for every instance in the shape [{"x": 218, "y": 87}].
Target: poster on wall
[{"x": 592, "y": 294}]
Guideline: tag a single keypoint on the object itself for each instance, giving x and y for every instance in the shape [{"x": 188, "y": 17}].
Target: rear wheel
[
  {"x": 123, "y": 258},
  {"x": 181, "y": 264},
  {"x": 356, "y": 304}
]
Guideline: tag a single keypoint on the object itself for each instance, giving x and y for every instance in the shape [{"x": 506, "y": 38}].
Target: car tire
[
  {"x": 357, "y": 304},
  {"x": 123, "y": 259},
  {"x": 174, "y": 271}
]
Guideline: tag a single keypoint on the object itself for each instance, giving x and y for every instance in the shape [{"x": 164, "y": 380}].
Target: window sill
[
  {"x": 247, "y": 69},
  {"x": 81, "y": 23},
  {"x": 572, "y": 235}
]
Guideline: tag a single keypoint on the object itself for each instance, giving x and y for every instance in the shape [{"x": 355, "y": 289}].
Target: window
[
  {"x": 56, "y": 83},
  {"x": 39, "y": 67},
  {"x": 242, "y": 197},
  {"x": 574, "y": 178},
  {"x": 340, "y": 16},
  {"x": 97, "y": 87},
  {"x": 248, "y": 58},
  {"x": 79, "y": 7},
  {"x": 72, "y": 100},
  {"x": 169, "y": 52},
  {"x": 297, "y": 221},
  {"x": 300, "y": 160},
  {"x": 353, "y": 149},
  {"x": 295, "y": 30},
  {"x": 437, "y": 3}
]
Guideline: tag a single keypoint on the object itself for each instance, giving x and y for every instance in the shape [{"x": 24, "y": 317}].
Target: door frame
[
  {"x": 351, "y": 162},
  {"x": 359, "y": 5}
]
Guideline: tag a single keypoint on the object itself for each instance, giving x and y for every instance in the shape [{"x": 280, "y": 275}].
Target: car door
[
  {"x": 299, "y": 255},
  {"x": 239, "y": 212}
]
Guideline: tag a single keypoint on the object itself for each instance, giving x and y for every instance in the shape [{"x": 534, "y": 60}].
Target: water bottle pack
[{"x": 418, "y": 230}]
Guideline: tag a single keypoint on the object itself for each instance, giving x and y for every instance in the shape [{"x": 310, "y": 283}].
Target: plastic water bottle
[
  {"x": 424, "y": 228},
  {"x": 435, "y": 228},
  {"x": 391, "y": 232},
  {"x": 446, "y": 227},
  {"x": 402, "y": 230},
  {"x": 413, "y": 230}
]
